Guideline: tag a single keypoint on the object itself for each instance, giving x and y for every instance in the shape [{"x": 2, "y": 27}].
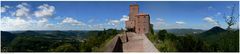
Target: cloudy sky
[{"x": 72, "y": 15}]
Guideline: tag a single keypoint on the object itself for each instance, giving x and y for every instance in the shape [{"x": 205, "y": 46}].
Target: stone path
[
  {"x": 130, "y": 42},
  {"x": 138, "y": 43}
]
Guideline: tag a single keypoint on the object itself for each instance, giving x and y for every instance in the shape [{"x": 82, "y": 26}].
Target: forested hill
[
  {"x": 221, "y": 39},
  {"x": 6, "y": 38},
  {"x": 55, "y": 41},
  {"x": 213, "y": 31},
  {"x": 215, "y": 39}
]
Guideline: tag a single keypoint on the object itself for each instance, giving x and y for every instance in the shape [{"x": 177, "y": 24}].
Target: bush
[
  {"x": 65, "y": 48},
  {"x": 167, "y": 46}
]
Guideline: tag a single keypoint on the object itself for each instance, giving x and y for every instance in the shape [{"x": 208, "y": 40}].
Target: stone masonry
[{"x": 138, "y": 22}]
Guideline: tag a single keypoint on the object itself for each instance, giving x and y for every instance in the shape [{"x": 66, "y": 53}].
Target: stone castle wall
[{"x": 138, "y": 22}]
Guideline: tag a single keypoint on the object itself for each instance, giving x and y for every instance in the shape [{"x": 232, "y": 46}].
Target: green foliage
[
  {"x": 29, "y": 43},
  {"x": 151, "y": 29},
  {"x": 96, "y": 39},
  {"x": 166, "y": 42},
  {"x": 190, "y": 43},
  {"x": 162, "y": 34},
  {"x": 35, "y": 41},
  {"x": 152, "y": 37},
  {"x": 167, "y": 46},
  {"x": 227, "y": 41},
  {"x": 163, "y": 41},
  {"x": 6, "y": 38},
  {"x": 222, "y": 41},
  {"x": 65, "y": 48}
]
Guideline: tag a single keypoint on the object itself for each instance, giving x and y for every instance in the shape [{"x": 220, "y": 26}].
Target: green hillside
[{"x": 215, "y": 39}]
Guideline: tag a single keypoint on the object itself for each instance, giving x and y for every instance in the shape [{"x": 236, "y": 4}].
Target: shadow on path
[{"x": 118, "y": 47}]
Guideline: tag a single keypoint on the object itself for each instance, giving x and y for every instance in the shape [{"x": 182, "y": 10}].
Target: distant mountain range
[
  {"x": 181, "y": 32},
  {"x": 50, "y": 32},
  {"x": 7, "y": 36}
]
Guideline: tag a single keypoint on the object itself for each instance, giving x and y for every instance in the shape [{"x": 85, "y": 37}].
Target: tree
[
  {"x": 190, "y": 43},
  {"x": 65, "y": 48},
  {"x": 151, "y": 29},
  {"x": 228, "y": 41},
  {"x": 167, "y": 46},
  {"x": 162, "y": 34},
  {"x": 230, "y": 20}
]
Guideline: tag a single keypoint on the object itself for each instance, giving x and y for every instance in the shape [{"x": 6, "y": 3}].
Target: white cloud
[
  {"x": 8, "y": 23},
  {"x": 42, "y": 22},
  {"x": 162, "y": 24},
  {"x": 210, "y": 7},
  {"x": 22, "y": 10},
  {"x": 18, "y": 20},
  {"x": 229, "y": 7},
  {"x": 211, "y": 21},
  {"x": 161, "y": 21},
  {"x": 45, "y": 10},
  {"x": 4, "y": 8},
  {"x": 69, "y": 20},
  {"x": 91, "y": 20},
  {"x": 180, "y": 22},
  {"x": 113, "y": 22},
  {"x": 50, "y": 25},
  {"x": 117, "y": 22},
  {"x": 96, "y": 26},
  {"x": 124, "y": 18},
  {"x": 218, "y": 14}
]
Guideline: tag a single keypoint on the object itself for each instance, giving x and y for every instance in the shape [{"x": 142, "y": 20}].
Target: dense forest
[
  {"x": 55, "y": 41},
  {"x": 215, "y": 39}
]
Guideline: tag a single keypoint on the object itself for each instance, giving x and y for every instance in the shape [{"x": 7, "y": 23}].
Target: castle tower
[
  {"x": 138, "y": 22},
  {"x": 134, "y": 9},
  {"x": 142, "y": 23}
]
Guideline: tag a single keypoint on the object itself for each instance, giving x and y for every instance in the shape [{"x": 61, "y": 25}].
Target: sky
[{"x": 99, "y": 15}]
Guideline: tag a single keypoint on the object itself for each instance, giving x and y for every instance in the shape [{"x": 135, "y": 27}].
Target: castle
[{"x": 138, "y": 22}]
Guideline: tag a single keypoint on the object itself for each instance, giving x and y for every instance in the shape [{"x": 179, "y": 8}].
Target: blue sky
[{"x": 72, "y": 15}]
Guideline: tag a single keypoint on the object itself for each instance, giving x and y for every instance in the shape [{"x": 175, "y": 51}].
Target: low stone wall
[{"x": 115, "y": 45}]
